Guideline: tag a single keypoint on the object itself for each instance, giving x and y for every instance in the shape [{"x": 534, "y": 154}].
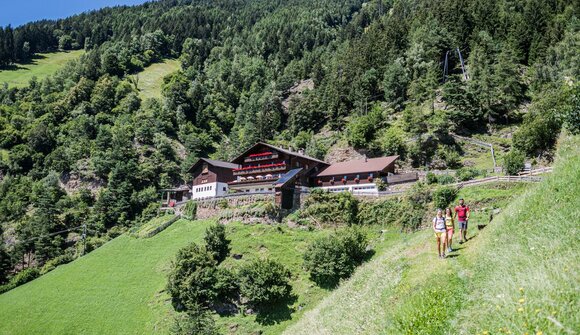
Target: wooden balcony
[
  {"x": 268, "y": 168},
  {"x": 261, "y": 157}
]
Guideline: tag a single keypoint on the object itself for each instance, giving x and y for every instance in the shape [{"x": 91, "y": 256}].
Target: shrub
[
  {"x": 445, "y": 179},
  {"x": 21, "y": 278},
  {"x": 392, "y": 142},
  {"x": 216, "y": 242},
  {"x": 53, "y": 263},
  {"x": 443, "y": 196},
  {"x": 513, "y": 162},
  {"x": 331, "y": 208},
  {"x": 381, "y": 212},
  {"x": 190, "y": 210},
  {"x": 264, "y": 282},
  {"x": 431, "y": 178},
  {"x": 192, "y": 278},
  {"x": 195, "y": 321},
  {"x": 465, "y": 174},
  {"x": 335, "y": 257}
]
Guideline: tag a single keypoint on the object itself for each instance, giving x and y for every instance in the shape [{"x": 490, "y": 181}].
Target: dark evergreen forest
[{"x": 370, "y": 62}]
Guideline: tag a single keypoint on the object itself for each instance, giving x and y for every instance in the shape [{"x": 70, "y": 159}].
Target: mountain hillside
[{"x": 90, "y": 145}]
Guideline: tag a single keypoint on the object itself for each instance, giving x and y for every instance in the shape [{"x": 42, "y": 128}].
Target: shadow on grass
[
  {"x": 19, "y": 66},
  {"x": 278, "y": 312},
  {"x": 330, "y": 282},
  {"x": 452, "y": 256}
]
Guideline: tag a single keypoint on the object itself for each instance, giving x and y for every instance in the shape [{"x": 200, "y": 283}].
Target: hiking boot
[{"x": 443, "y": 256}]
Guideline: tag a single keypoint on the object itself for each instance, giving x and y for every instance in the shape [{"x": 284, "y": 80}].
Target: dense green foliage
[
  {"x": 217, "y": 243},
  {"x": 443, "y": 196},
  {"x": 376, "y": 70},
  {"x": 513, "y": 162},
  {"x": 264, "y": 282},
  {"x": 192, "y": 278},
  {"x": 195, "y": 321},
  {"x": 336, "y": 256}
]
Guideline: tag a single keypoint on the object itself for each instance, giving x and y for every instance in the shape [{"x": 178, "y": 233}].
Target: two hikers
[{"x": 444, "y": 227}]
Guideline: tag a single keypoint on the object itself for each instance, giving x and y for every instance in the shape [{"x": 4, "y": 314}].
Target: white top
[{"x": 439, "y": 222}]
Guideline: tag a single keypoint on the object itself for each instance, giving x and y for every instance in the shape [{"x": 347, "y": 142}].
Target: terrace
[
  {"x": 253, "y": 169},
  {"x": 261, "y": 156}
]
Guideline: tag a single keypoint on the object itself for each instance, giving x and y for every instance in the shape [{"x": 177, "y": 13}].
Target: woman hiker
[
  {"x": 439, "y": 228},
  {"x": 450, "y": 227}
]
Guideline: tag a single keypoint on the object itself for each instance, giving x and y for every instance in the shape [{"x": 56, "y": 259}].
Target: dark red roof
[
  {"x": 213, "y": 162},
  {"x": 358, "y": 166},
  {"x": 292, "y": 153}
]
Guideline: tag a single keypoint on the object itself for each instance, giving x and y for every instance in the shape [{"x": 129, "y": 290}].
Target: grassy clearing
[
  {"x": 516, "y": 276},
  {"x": 117, "y": 289},
  {"x": 151, "y": 78},
  {"x": 41, "y": 66}
]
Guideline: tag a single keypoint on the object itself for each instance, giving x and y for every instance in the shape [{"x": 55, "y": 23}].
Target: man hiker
[{"x": 462, "y": 215}]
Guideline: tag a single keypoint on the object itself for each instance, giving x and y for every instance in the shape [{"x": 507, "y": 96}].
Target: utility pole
[{"x": 84, "y": 236}]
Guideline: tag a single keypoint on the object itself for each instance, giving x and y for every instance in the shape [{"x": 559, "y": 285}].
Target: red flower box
[
  {"x": 251, "y": 167},
  {"x": 267, "y": 153},
  {"x": 356, "y": 180}
]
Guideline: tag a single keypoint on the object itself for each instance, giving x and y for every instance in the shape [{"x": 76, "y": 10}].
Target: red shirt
[{"x": 461, "y": 212}]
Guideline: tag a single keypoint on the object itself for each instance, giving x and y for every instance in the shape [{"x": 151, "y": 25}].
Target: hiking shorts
[
  {"x": 450, "y": 232},
  {"x": 463, "y": 224},
  {"x": 439, "y": 233}
]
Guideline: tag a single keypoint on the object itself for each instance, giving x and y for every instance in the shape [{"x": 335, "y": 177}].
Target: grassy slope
[
  {"x": 532, "y": 245},
  {"x": 41, "y": 66},
  {"x": 151, "y": 78},
  {"x": 118, "y": 288},
  {"x": 115, "y": 289}
]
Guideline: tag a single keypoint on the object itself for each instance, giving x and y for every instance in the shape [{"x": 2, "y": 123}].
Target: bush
[
  {"x": 53, "y": 263},
  {"x": 216, "y": 242},
  {"x": 445, "y": 179},
  {"x": 513, "y": 162},
  {"x": 431, "y": 178},
  {"x": 195, "y": 321},
  {"x": 264, "y": 282},
  {"x": 190, "y": 210},
  {"x": 381, "y": 212},
  {"x": 465, "y": 174},
  {"x": 335, "y": 257},
  {"x": 443, "y": 196},
  {"x": 192, "y": 278},
  {"x": 331, "y": 208},
  {"x": 21, "y": 278}
]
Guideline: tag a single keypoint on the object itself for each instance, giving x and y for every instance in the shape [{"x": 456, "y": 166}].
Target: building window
[{"x": 224, "y": 188}]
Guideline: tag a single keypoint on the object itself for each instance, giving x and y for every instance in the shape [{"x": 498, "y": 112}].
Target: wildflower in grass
[
  {"x": 521, "y": 309},
  {"x": 539, "y": 332},
  {"x": 521, "y": 289},
  {"x": 521, "y": 301},
  {"x": 538, "y": 310}
]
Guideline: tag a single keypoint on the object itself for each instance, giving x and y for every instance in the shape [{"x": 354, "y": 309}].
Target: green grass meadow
[
  {"x": 151, "y": 78},
  {"x": 42, "y": 65}
]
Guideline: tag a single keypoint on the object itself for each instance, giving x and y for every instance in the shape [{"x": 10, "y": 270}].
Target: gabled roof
[
  {"x": 288, "y": 152},
  {"x": 358, "y": 166},
  {"x": 216, "y": 163}
]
